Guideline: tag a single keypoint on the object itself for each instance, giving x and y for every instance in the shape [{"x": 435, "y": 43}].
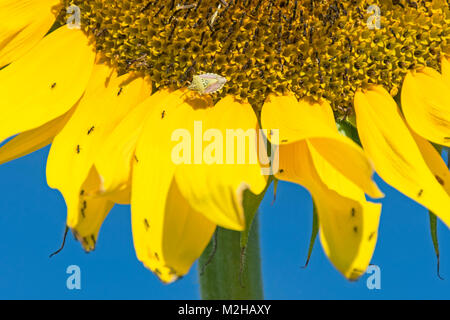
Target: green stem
[{"x": 229, "y": 275}]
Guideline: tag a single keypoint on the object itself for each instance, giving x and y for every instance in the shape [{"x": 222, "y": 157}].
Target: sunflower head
[{"x": 318, "y": 49}]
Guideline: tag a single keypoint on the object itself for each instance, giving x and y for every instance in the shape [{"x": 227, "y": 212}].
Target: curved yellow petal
[
  {"x": 168, "y": 235},
  {"x": 434, "y": 161},
  {"x": 32, "y": 140},
  {"x": 349, "y": 224},
  {"x": 92, "y": 210},
  {"x": 224, "y": 165},
  {"x": 153, "y": 169},
  {"x": 45, "y": 83},
  {"x": 177, "y": 236},
  {"x": 305, "y": 119},
  {"x": 397, "y": 158},
  {"x": 114, "y": 161},
  {"x": 23, "y": 23},
  {"x": 426, "y": 105},
  {"x": 107, "y": 100}
]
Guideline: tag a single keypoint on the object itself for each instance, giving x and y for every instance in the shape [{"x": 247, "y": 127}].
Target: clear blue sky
[{"x": 32, "y": 220}]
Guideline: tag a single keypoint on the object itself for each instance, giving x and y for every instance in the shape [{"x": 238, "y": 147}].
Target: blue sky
[{"x": 32, "y": 220}]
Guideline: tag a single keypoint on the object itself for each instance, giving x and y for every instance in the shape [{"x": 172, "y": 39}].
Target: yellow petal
[
  {"x": 153, "y": 170},
  {"x": 215, "y": 179},
  {"x": 93, "y": 212},
  {"x": 45, "y": 83},
  {"x": 305, "y": 119},
  {"x": 23, "y": 23},
  {"x": 168, "y": 235},
  {"x": 396, "y": 156},
  {"x": 434, "y": 161},
  {"x": 114, "y": 161},
  {"x": 174, "y": 238},
  {"x": 32, "y": 140},
  {"x": 348, "y": 223},
  {"x": 107, "y": 100},
  {"x": 426, "y": 105}
]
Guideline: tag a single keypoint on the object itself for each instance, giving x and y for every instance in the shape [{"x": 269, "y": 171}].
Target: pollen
[{"x": 317, "y": 49}]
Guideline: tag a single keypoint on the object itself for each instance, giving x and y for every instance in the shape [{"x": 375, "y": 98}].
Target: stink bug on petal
[{"x": 207, "y": 83}]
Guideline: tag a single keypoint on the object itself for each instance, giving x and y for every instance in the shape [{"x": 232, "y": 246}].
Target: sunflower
[{"x": 109, "y": 97}]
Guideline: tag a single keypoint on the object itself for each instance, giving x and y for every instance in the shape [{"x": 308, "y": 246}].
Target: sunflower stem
[{"x": 231, "y": 273}]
